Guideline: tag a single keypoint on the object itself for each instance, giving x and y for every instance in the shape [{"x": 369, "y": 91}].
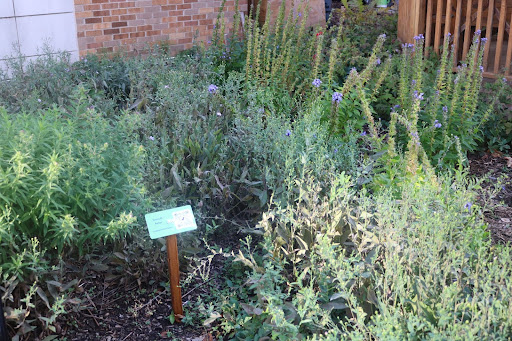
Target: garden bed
[{"x": 328, "y": 173}]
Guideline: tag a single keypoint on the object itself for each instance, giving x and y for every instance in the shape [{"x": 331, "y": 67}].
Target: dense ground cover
[{"x": 330, "y": 186}]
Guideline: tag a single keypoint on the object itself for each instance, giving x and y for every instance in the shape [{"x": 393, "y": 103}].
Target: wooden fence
[{"x": 462, "y": 18}]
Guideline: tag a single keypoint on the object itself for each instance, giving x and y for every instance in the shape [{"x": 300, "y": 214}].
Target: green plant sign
[{"x": 169, "y": 222}]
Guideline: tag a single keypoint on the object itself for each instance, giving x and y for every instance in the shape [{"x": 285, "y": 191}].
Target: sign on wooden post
[{"x": 167, "y": 224}]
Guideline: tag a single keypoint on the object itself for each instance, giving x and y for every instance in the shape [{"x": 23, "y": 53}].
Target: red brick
[
  {"x": 144, "y": 28},
  {"x": 119, "y": 24},
  {"x": 184, "y": 18},
  {"x": 152, "y": 33},
  {"x": 111, "y": 18},
  {"x": 192, "y": 23},
  {"x": 110, "y": 6},
  {"x": 187, "y": 6},
  {"x": 119, "y": 11},
  {"x": 135, "y": 10},
  {"x": 128, "y": 29},
  {"x": 137, "y": 34},
  {"x": 93, "y": 33},
  {"x": 184, "y": 40},
  {"x": 93, "y": 45},
  {"x": 127, "y": 17},
  {"x": 83, "y": 14},
  {"x": 101, "y": 13},
  {"x": 120, "y": 36},
  {"x": 111, "y": 31},
  {"x": 92, "y": 7},
  {"x": 101, "y": 26},
  {"x": 92, "y": 20},
  {"x": 127, "y": 4}
]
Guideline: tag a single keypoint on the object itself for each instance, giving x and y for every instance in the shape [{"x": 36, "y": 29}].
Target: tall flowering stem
[
  {"x": 365, "y": 103},
  {"x": 248, "y": 59},
  {"x": 333, "y": 54},
  {"x": 392, "y": 134},
  {"x": 318, "y": 56}
]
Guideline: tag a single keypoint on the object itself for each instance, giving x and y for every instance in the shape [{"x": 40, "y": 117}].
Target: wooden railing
[{"x": 462, "y": 18}]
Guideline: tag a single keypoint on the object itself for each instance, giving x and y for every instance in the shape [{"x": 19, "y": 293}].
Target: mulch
[{"x": 495, "y": 172}]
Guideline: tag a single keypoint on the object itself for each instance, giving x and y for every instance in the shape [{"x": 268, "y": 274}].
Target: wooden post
[
  {"x": 411, "y": 19},
  {"x": 174, "y": 275}
]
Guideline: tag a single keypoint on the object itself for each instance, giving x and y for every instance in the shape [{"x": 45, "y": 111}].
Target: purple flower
[
  {"x": 413, "y": 82},
  {"x": 395, "y": 107},
  {"x": 481, "y": 68},
  {"x": 437, "y": 124},
  {"x": 504, "y": 80},
  {"x": 212, "y": 88},
  {"x": 478, "y": 32},
  {"x": 448, "y": 34},
  {"x": 288, "y": 132},
  {"x": 437, "y": 92},
  {"x": 484, "y": 40},
  {"x": 383, "y": 36},
  {"x": 39, "y": 100},
  {"x": 337, "y": 97},
  {"x": 363, "y": 133},
  {"x": 151, "y": 138},
  {"x": 335, "y": 150},
  {"x": 445, "y": 109},
  {"x": 300, "y": 15},
  {"x": 418, "y": 95},
  {"x": 468, "y": 205},
  {"x": 377, "y": 62},
  {"x": 317, "y": 82},
  {"x": 419, "y": 37},
  {"x": 209, "y": 42}
]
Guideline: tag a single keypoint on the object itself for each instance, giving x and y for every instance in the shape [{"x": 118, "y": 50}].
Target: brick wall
[{"x": 130, "y": 25}]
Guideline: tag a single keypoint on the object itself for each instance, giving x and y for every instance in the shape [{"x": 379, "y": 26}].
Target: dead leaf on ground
[{"x": 509, "y": 161}]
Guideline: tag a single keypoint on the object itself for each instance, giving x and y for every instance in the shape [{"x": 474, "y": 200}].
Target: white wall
[{"x": 26, "y": 25}]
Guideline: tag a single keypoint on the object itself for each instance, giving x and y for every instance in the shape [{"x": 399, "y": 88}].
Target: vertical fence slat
[
  {"x": 488, "y": 33},
  {"x": 456, "y": 34},
  {"x": 439, "y": 18},
  {"x": 509, "y": 49},
  {"x": 501, "y": 31},
  {"x": 479, "y": 15},
  {"x": 448, "y": 18},
  {"x": 468, "y": 29},
  {"x": 428, "y": 26}
]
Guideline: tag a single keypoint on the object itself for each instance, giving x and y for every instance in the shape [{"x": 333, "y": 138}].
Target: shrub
[
  {"x": 345, "y": 265},
  {"x": 69, "y": 181}
]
